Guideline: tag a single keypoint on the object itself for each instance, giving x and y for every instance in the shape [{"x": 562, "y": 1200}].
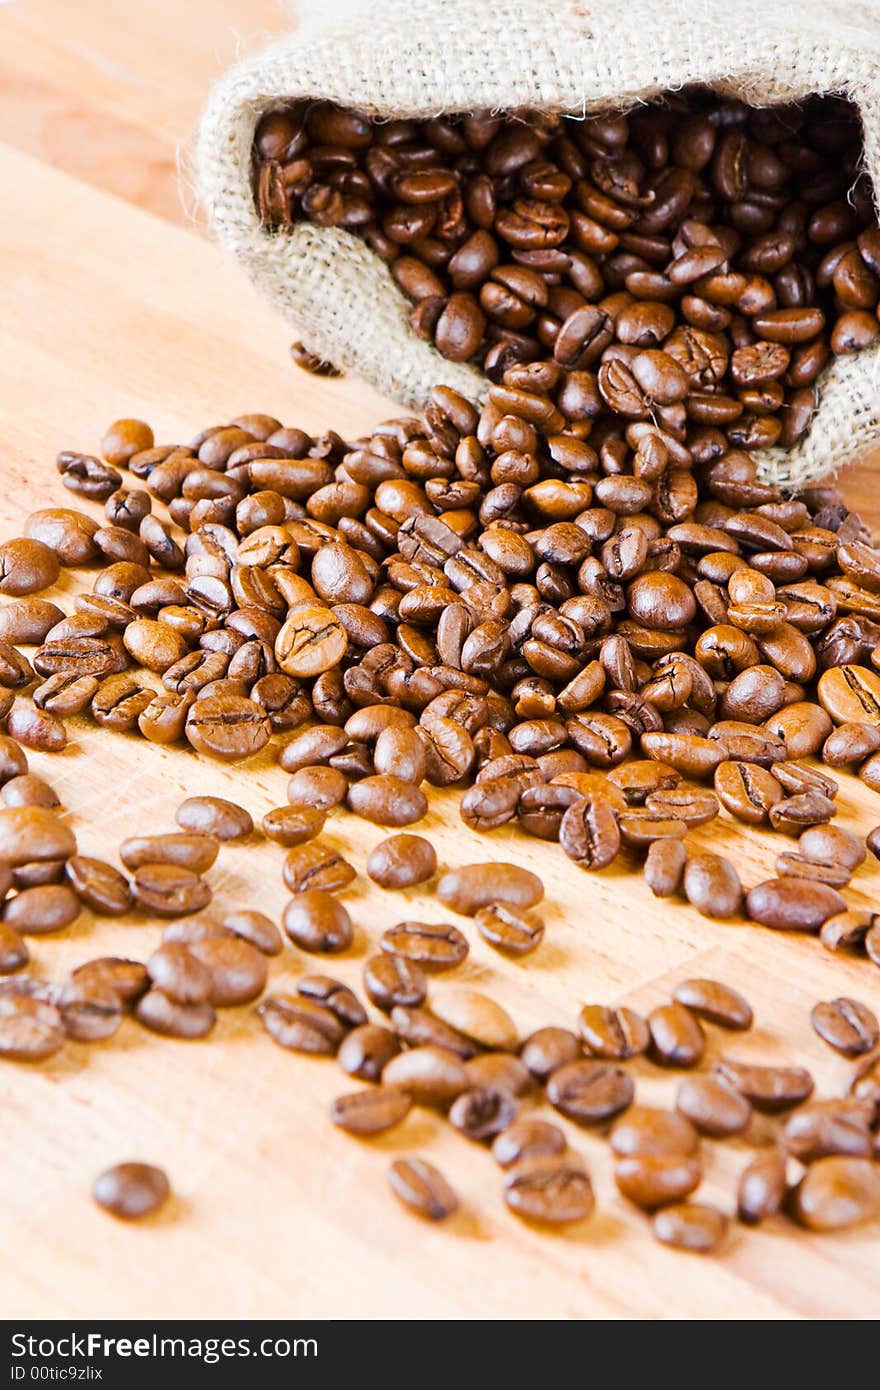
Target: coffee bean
[
  {"x": 316, "y": 866},
  {"x": 524, "y": 1139},
  {"x": 646, "y": 1131},
  {"x": 716, "y": 1002},
  {"x": 590, "y": 1092},
  {"x": 422, "y": 1188},
  {"x": 430, "y": 1075},
  {"x": 482, "y": 1114},
  {"x": 321, "y": 787},
  {"x": 831, "y": 844},
  {"x": 187, "y": 850},
  {"x": 180, "y": 974},
  {"x": 29, "y": 790},
  {"x": 429, "y": 945},
  {"x": 292, "y": 825},
  {"x": 690, "y": 1226},
  {"x": 128, "y": 979},
  {"x": 30, "y": 1029},
  {"x": 762, "y": 1186},
  {"x": 468, "y": 889},
  {"x": 256, "y": 928},
  {"x": 547, "y": 1049},
  {"x": 612, "y": 1033},
  {"x": 831, "y": 1127},
  {"x": 229, "y": 727},
  {"x": 712, "y": 1106},
  {"x": 711, "y": 884},
  {"x": 211, "y": 815},
  {"x": 771, "y": 1089},
  {"x": 392, "y": 980},
  {"x": 836, "y": 1193},
  {"x": 551, "y": 1190},
  {"x": 311, "y": 641},
  {"x": 98, "y": 885},
  {"x": 90, "y": 1011},
  {"x": 419, "y": 1028},
  {"x": 131, "y": 1191},
  {"x": 36, "y": 728},
  {"x": 169, "y": 891},
  {"x": 793, "y": 904},
  {"x": 677, "y": 1040},
  {"x": 850, "y": 694},
  {"x": 478, "y": 1017},
  {"x": 589, "y": 834},
  {"x": 316, "y": 921},
  {"x": 370, "y": 1112},
  {"x": 30, "y": 833},
  {"x": 387, "y": 800},
  {"x": 664, "y": 867},
  {"x": 300, "y": 1025},
  {"x": 45, "y": 908},
  {"x": 846, "y": 929},
  {"x": 850, "y": 744},
  {"x": 402, "y": 861},
  {"x": 366, "y": 1050},
  {"x": 846, "y": 1025},
  {"x": 512, "y": 933},
  {"x": 654, "y": 1180},
  {"x": 238, "y": 970},
  {"x": 161, "y": 1014}
]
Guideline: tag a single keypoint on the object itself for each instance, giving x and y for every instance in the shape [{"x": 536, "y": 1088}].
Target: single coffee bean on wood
[
  {"x": 402, "y": 861},
  {"x": 552, "y": 1190},
  {"x": 132, "y": 1191},
  {"x": 847, "y": 1025},
  {"x": 691, "y": 1226},
  {"x": 422, "y": 1188}
]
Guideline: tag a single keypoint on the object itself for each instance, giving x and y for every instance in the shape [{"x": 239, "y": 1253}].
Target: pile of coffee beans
[
  {"x": 695, "y": 262},
  {"x": 604, "y": 639}
]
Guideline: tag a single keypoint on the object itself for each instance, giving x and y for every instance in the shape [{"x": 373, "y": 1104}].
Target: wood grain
[{"x": 112, "y": 311}]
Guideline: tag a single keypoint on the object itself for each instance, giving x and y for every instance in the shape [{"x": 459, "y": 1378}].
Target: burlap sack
[{"x": 423, "y": 57}]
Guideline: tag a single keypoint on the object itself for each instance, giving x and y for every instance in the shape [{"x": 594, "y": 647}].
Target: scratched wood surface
[{"x": 107, "y": 309}]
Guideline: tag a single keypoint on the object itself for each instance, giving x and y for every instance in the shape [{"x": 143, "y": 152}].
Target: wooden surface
[{"x": 109, "y": 310}]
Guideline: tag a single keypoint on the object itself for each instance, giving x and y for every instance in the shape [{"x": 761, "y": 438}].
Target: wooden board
[{"x": 107, "y": 311}]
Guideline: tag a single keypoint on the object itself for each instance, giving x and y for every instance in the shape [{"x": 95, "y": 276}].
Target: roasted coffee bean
[
  {"x": 711, "y": 884},
  {"x": 477, "y": 1017},
  {"x": 392, "y": 980},
  {"x": 387, "y": 800},
  {"x": 590, "y": 1092},
  {"x": 677, "y": 1040},
  {"x": 256, "y": 928},
  {"x": 654, "y": 1180},
  {"x": 644, "y": 1130},
  {"x": 128, "y": 979},
  {"x": 46, "y": 907},
  {"x": 836, "y": 1193},
  {"x": 13, "y": 759},
  {"x": 482, "y": 1114},
  {"x": 187, "y": 849},
  {"x": 316, "y": 921},
  {"x": 589, "y": 833},
  {"x": 169, "y": 890},
  {"x": 161, "y": 1014},
  {"x": 292, "y": 825},
  {"x": 316, "y": 866},
  {"x": 179, "y": 974},
  {"x": 793, "y": 904},
  {"x": 370, "y": 1112},
  {"x": 300, "y": 1025},
  {"x": 90, "y": 1011},
  {"x": 712, "y": 1106},
  {"x": 230, "y": 727},
  {"x": 311, "y": 641},
  {"x": 419, "y": 1028},
  {"x": 33, "y": 833},
  {"x": 525, "y": 1139},
  {"x": 762, "y": 1186},
  {"x": 98, "y": 885},
  {"x": 211, "y": 815},
  {"x": 664, "y": 867},
  {"x": 237, "y": 970},
  {"x": 512, "y": 933},
  {"x": 365, "y": 1051},
  {"x": 468, "y": 889},
  {"x": 429, "y": 1074},
  {"x": 831, "y": 1127},
  {"x": 28, "y": 790},
  {"x": 36, "y": 728},
  {"x": 768, "y": 1088},
  {"x": 551, "y": 1190},
  {"x": 829, "y": 844},
  {"x": 691, "y": 1226},
  {"x": 847, "y": 1025},
  {"x": 547, "y": 1049},
  {"x": 422, "y": 1188},
  {"x": 432, "y": 946},
  {"x": 402, "y": 861},
  {"x": 131, "y": 1191},
  {"x": 850, "y": 694},
  {"x": 715, "y": 1002},
  {"x": 30, "y": 1028},
  {"x": 612, "y": 1033},
  {"x": 849, "y": 744}
]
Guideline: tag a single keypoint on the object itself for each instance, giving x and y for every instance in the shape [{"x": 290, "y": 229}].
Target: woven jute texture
[{"x": 421, "y": 57}]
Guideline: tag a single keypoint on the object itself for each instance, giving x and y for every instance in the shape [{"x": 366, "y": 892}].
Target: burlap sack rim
[{"x": 341, "y": 297}]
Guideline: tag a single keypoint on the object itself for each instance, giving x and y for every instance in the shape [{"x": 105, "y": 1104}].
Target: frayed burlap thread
[{"x": 424, "y": 57}]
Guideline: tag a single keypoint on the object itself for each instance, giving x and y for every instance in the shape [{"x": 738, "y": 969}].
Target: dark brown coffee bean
[
  {"x": 422, "y": 1188},
  {"x": 654, "y": 1180},
  {"x": 211, "y": 815},
  {"x": 772, "y": 1089},
  {"x": 370, "y": 1112},
  {"x": 664, "y": 867},
  {"x": 169, "y": 890},
  {"x": 128, "y": 979},
  {"x": 229, "y": 727},
  {"x": 366, "y": 1050},
  {"x": 256, "y": 928},
  {"x": 316, "y": 921},
  {"x": 29, "y": 790},
  {"x": 30, "y": 1028},
  {"x": 762, "y": 1187},
  {"x": 715, "y": 1002},
  {"x": 677, "y": 1040},
  {"x": 300, "y": 1025},
  {"x": 186, "y": 849},
  {"x": 847, "y": 1025},
  {"x": 849, "y": 744},
  {"x": 46, "y": 907},
  {"x": 548, "y": 1049},
  {"x": 321, "y": 787},
  {"x": 387, "y": 800},
  {"x": 690, "y": 1226},
  {"x": 831, "y": 1127},
  {"x": 429, "y": 945},
  {"x": 316, "y": 866},
  {"x": 311, "y": 641},
  {"x": 31, "y": 833},
  {"x": 484, "y": 1113},
  {"x": 836, "y": 1193},
  {"x": 90, "y": 1011},
  {"x": 711, "y": 884},
  {"x": 132, "y": 1191},
  {"x": 419, "y": 1028},
  {"x": 237, "y": 970},
  {"x": 97, "y": 884},
  {"x": 589, "y": 834},
  {"x": 429, "y": 1074},
  {"x": 551, "y": 1190},
  {"x": 402, "y": 861},
  {"x": 524, "y": 1139},
  {"x": 391, "y": 980},
  {"x": 512, "y": 933},
  {"x": 468, "y": 889},
  {"x": 478, "y": 1017},
  {"x": 590, "y": 1092},
  {"x": 156, "y": 1011},
  {"x": 292, "y": 825},
  {"x": 793, "y": 904},
  {"x": 179, "y": 973},
  {"x": 712, "y": 1106},
  {"x": 612, "y": 1033}
]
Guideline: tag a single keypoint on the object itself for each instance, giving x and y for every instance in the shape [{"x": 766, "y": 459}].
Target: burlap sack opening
[{"x": 425, "y": 57}]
